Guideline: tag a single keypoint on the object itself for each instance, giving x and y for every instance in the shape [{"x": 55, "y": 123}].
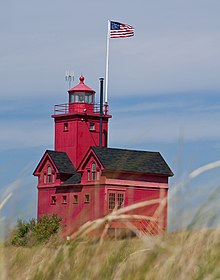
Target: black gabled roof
[
  {"x": 62, "y": 162},
  {"x": 132, "y": 161},
  {"x": 65, "y": 166}
]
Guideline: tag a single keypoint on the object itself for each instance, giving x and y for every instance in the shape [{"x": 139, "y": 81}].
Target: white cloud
[
  {"x": 149, "y": 106},
  {"x": 171, "y": 62},
  {"x": 176, "y": 47},
  {"x": 25, "y": 134},
  {"x": 135, "y": 130}
]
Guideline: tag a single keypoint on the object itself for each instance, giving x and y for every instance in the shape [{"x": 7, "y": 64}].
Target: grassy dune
[
  {"x": 189, "y": 254},
  {"x": 184, "y": 255}
]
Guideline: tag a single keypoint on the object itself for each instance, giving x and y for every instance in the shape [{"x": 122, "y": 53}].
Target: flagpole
[{"x": 107, "y": 63}]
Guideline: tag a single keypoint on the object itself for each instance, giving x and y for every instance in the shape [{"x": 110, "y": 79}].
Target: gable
[
  {"x": 90, "y": 167},
  {"x": 45, "y": 161},
  {"x": 59, "y": 160},
  {"x": 88, "y": 159}
]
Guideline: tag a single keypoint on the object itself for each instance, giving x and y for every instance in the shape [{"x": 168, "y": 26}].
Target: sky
[{"x": 164, "y": 88}]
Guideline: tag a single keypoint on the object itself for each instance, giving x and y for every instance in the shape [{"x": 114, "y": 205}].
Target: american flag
[{"x": 120, "y": 30}]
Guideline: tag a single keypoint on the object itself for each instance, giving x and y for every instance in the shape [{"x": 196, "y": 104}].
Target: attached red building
[{"x": 82, "y": 181}]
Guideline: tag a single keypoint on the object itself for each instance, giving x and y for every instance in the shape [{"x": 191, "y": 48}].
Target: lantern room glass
[
  {"x": 81, "y": 97},
  {"x": 89, "y": 98}
]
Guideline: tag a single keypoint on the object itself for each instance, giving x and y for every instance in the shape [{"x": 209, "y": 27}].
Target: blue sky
[{"x": 163, "y": 85}]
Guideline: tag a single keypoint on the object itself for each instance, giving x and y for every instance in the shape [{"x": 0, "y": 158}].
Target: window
[
  {"x": 98, "y": 175},
  {"x": 64, "y": 199},
  {"x": 76, "y": 98},
  {"x": 120, "y": 200},
  {"x": 53, "y": 177},
  {"x": 75, "y": 199},
  {"x": 45, "y": 178},
  {"x": 71, "y": 98},
  {"x": 88, "y": 98},
  {"x": 49, "y": 174},
  {"x": 93, "y": 175},
  {"x": 92, "y": 127},
  {"x": 79, "y": 97},
  {"x": 93, "y": 171},
  {"x": 87, "y": 198},
  {"x": 53, "y": 199},
  {"x": 111, "y": 201},
  {"x": 115, "y": 200},
  {"x": 65, "y": 126}
]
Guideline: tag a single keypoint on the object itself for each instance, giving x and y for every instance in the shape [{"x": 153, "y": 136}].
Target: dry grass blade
[
  {"x": 90, "y": 226},
  {"x": 4, "y": 201},
  {"x": 204, "y": 168},
  {"x": 137, "y": 205}
]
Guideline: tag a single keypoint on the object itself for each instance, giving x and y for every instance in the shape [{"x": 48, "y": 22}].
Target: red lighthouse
[
  {"x": 83, "y": 179},
  {"x": 77, "y": 124}
]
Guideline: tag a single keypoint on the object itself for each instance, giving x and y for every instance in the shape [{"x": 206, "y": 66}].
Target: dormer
[
  {"x": 46, "y": 172},
  {"x": 54, "y": 168},
  {"x": 90, "y": 168}
]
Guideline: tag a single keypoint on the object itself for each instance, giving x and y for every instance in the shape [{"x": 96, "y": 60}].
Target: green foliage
[
  {"x": 32, "y": 232},
  {"x": 18, "y": 236},
  {"x": 46, "y": 227}
]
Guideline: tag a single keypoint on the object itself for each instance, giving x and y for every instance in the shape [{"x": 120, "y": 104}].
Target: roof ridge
[
  {"x": 123, "y": 149},
  {"x": 55, "y": 151}
]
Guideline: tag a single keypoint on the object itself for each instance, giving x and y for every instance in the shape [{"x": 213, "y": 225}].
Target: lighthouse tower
[{"x": 77, "y": 124}]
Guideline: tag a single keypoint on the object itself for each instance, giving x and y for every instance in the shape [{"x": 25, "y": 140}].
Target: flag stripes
[{"x": 120, "y": 30}]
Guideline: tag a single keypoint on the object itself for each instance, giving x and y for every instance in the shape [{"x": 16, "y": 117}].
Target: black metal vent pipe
[{"x": 101, "y": 111}]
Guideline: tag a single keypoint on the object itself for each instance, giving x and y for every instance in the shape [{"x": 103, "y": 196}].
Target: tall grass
[
  {"x": 192, "y": 253},
  {"x": 184, "y": 255}
]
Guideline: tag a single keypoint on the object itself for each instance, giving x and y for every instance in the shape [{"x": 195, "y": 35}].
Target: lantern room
[{"x": 81, "y": 97}]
